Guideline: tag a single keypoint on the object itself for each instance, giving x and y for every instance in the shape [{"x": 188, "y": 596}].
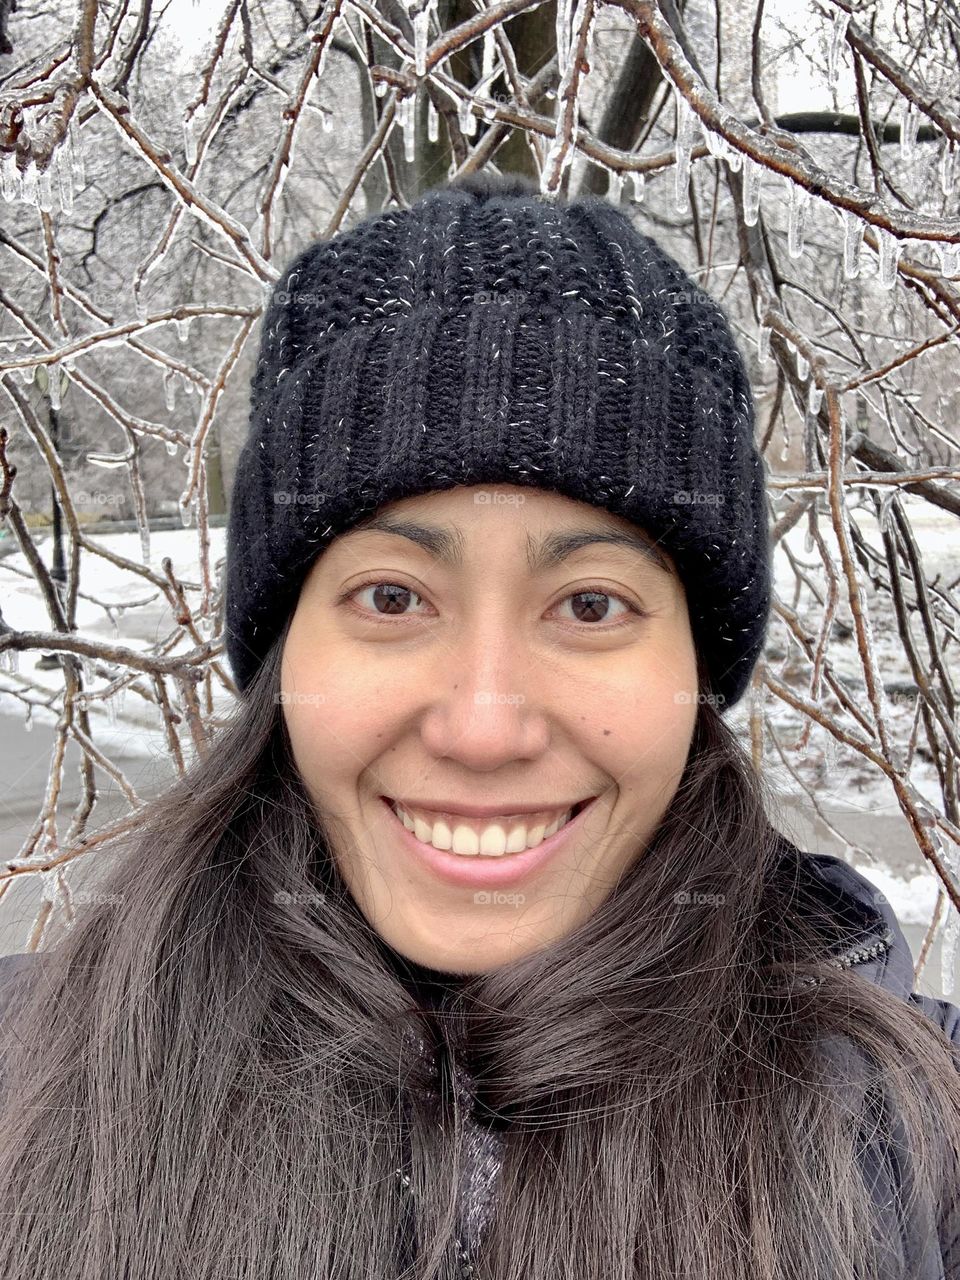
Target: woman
[{"x": 498, "y": 549}]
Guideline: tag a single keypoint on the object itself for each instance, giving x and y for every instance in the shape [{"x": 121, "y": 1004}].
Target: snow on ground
[
  {"x": 839, "y": 774},
  {"x": 840, "y": 777},
  {"x": 143, "y": 625}
]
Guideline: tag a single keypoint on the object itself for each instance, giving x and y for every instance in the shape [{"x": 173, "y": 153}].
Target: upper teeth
[{"x": 470, "y": 836}]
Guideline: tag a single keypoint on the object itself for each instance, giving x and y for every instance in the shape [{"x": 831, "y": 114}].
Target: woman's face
[{"x": 501, "y": 652}]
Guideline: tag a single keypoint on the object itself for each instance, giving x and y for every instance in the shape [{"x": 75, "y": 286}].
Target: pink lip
[{"x": 484, "y": 872}]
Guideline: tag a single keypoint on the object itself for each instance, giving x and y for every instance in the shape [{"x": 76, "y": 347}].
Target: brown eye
[
  {"x": 388, "y": 598},
  {"x": 590, "y": 605}
]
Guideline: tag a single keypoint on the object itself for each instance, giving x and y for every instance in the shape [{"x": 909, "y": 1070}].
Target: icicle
[
  {"x": 53, "y": 386},
  {"x": 853, "y": 229},
  {"x": 949, "y": 258},
  {"x": 183, "y": 328},
  {"x": 65, "y": 151},
  {"x": 466, "y": 118},
  {"x": 751, "y": 190},
  {"x": 45, "y": 190},
  {"x": 615, "y": 187},
  {"x": 814, "y": 398},
  {"x": 803, "y": 366},
  {"x": 419, "y": 12},
  {"x": 808, "y": 543},
  {"x": 171, "y": 447},
  {"x": 734, "y": 159},
  {"x": 12, "y": 661},
  {"x": 797, "y": 215},
  {"x": 380, "y": 88},
  {"x": 948, "y": 175},
  {"x": 28, "y": 718},
  {"x": 686, "y": 126},
  {"x": 638, "y": 177},
  {"x": 27, "y": 372},
  {"x": 9, "y": 177},
  {"x": 763, "y": 343},
  {"x": 717, "y": 144},
  {"x": 281, "y": 179},
  {"x": 77, "y": 167},
  {"x": 841, "y": 20},
  {"x": 564, "y": 37},
  {"x": 909, "y": 124},
  {"x": 326, "y": 121},
  {"x": 948, "y": 953},
  {"x": 28, "y": 188},
  {"x": 139, "y": 305},
  {"x": 785, "y": 451},
  {"x": 406, "y": 119},
  {"x": 433, "y": 121},
  {"x": 170, "y": 388},
  {"x": 489, "y": 53},
  {"x": 190, "y": 139},
  {"x": 186, "y": 515},
  {"x": 144, "y": 544},
  {"x": 889, "y": 257},
  {"x": 64, "y": 178}
]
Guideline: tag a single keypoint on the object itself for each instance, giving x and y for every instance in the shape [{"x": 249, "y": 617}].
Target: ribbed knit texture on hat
[{"x": 486, "y": 336}]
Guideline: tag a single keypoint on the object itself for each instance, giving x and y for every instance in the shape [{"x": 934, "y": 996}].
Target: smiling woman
[
  {"x": 470, "y": 947},
  {"x": 549, "y": 661}
]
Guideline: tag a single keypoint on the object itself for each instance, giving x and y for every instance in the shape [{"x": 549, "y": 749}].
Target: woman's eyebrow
[{"x": 445, "y": 543}]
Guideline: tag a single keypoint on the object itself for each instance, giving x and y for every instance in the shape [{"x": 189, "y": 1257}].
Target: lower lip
[{"x": 483, "y": 871}]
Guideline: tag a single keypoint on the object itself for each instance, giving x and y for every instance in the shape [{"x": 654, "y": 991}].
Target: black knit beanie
[{"x": 491, "y": 334}]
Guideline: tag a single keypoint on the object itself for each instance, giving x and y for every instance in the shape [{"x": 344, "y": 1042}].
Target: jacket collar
[{"x": 874, "y": 944}]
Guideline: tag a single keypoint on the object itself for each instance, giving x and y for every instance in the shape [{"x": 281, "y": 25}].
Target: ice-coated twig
[{"x": 573, "y": 38}]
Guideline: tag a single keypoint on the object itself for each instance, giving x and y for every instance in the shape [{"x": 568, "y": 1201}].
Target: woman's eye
[
  {"x": 590, "y": 605},
  {"x": 393, "y": 596}
]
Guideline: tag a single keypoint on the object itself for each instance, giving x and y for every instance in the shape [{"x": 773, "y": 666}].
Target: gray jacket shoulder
[
  {"x": 947, "y": 1266},
  {"x": 942, "y": 1012}
]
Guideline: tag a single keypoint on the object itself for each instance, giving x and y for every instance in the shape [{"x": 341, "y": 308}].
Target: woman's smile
[{"x": 436, "y": 847}]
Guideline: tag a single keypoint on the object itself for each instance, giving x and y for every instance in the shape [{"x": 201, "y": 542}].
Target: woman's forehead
[
  {"x": 453, "y": 534},
  {"x": 530, "y": 512}
]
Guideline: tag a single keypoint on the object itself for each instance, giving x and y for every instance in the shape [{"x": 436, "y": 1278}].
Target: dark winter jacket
[{"x": 875, "y": 947}]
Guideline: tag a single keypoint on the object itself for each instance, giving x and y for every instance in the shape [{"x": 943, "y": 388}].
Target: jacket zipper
[
  {"x": 465, "y": 1266},
  {"x": 856, "y": 955}
]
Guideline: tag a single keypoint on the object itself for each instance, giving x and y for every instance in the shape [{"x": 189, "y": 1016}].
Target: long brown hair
[{"x": 213, "y": 1077}]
